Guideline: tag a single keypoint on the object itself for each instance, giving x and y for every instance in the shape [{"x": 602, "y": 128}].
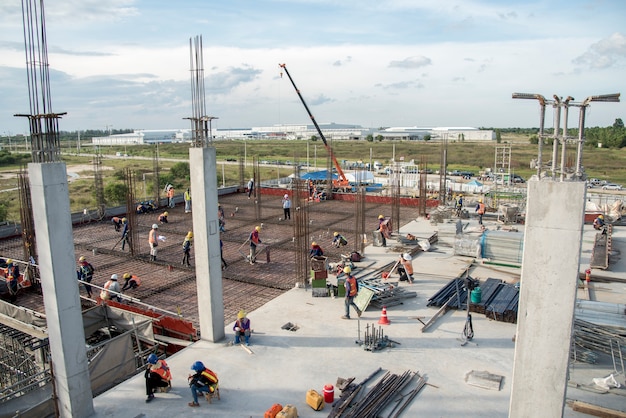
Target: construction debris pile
[{"x": 499, "y": 300}]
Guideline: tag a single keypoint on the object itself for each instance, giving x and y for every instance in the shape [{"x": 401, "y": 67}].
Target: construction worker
[
  {"x": 382, "y": 228},
  {"x": 242, "y": 328},
  {"x": 187, "y": 197},
  {"x": 316, "y": 250},
  {"x": 111, "y": 286},
  {"x": 459, "y": 205},
  {"x": 250, "y": 187},
  {"x": 224, "y": 263},
  {"x": 286, "y": 207},
  {"x": 117, "y": 223},
  {"x": 153, "y": 241},
  {"x": 254, "y": 241},
  {"x": 352, "y": 289},
  {"x": 480, "y": 208},
  {"x": 12, "y": 276},
  {"x": 221, "y": 218},
  {"x": 125, "y": 233},
  {"x": 598, "y": 223},
  {"x": 405, "y": 269},
  {"x": 131, "y": 281},
  {"x": 187, "y": 242},
  {"x": 85, "y": 273},
  {"x": 157, "y": 375},
  {"x": 339, "y": 240},
  {"x": 204, "y": 380},
  {"x": 170, "y": 197},
  {"x": 163, "y": 217}
]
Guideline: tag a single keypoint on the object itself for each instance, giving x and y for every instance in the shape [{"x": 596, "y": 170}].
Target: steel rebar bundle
[
  {"x": 44, "y": 124},
  {"x": 598, "y": 338},
  {"x": 380, "y": 395}
]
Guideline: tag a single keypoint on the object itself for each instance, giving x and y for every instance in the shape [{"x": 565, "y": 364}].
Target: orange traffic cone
[{"x": 383, "y": 317}]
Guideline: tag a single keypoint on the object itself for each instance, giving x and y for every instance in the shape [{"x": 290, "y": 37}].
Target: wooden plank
[
  {"x": 440, "y": 312},
  {"x": 597, "y": 411}
]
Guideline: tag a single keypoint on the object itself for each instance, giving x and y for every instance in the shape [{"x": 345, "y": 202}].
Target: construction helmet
[
  {"x": 241, "y": 314},
  {"x": 286, "y": 196},
  {"x": 152, "y": 359},
  {"x": 381, "y": 217},
  {"x": 347, "y": 269},
  {"x": 114, "y": 277},
  {"x": 480, "y": 201},
  {"x": 460, "y": 194},
  {"x": 257, "y": 228},
  {"x": 189, "y": 235},
  {"x": 313, "y": 244},
  {"x": 82, "y": 258},
  {"x": 126, "y": 275},
  {"x": 9, "y": 261},
  {"x": 165, "y": 213},
  {"x": 335, "y": 234},
  {"x": 407, "y": 256},
  {"x": 600, "y": 216},
  {"x": 198, "y": 366},
  {"x": 155, "y": 226},
  {"x": 124, "y": 220}
]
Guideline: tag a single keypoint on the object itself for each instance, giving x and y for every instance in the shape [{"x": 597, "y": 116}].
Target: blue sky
[{"x": 125, "y": 63}]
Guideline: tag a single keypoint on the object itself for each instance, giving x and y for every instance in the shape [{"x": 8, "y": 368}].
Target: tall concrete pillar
[
  {"x": 202, "y": 165},
  {"x": 57, "y": 264},
  {"x": 550, "y": 265}
]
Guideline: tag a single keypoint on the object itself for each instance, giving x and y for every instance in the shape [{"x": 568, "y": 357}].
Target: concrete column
[
  {"x": 57, "y": 264},
  {"x": 202, "y": 164},
  {"x": 550, "y": 266}
]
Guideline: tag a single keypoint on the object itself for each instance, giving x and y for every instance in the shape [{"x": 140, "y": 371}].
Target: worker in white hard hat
[
  {"x": 405, "y": 269},
  {"x": 250, "y": 187},
  {"x": 85, "y": 273},
  {"x": 286, "y": 207},
  {"x": 153, "y": 240},
  {"x": 254, "y": 241},
  {"x": 111, "y": 286},
  {"x": 480, "y": 208},
  {"x": 352, "y": 289}
]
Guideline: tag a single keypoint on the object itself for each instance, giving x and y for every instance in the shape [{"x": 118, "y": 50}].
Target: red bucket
[{"x": 329, "y": 394}]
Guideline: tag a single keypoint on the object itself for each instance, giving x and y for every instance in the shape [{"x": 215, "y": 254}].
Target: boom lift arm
[{"x": 343, "y": 181}]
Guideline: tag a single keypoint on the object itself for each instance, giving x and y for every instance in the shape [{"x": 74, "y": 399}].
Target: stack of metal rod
[{"x": 384, "y": 392}]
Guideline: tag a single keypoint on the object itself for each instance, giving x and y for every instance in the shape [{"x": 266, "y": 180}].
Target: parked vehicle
[{"x": 612, "y": 186}]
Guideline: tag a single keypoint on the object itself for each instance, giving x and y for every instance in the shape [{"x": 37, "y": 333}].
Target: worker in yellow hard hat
[
  {"x": 352, "y": 289},
  {"x": 458, "y": 205},
  {"x": 163, "y": 218},
  {"x": 480, "y": 209},
  {"x": 131, "y": 281},
  {"x": 339, "y": 240},
  {"x": 187, "y": 242},
  {"x": 382, "y": 228},
  {"x": 254, "y": 241},
  {"x": 242, "y": 328},
  {"x": 598, "y": 223}
]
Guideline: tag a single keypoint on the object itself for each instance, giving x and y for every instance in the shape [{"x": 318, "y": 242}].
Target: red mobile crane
[{"x": 342, "y": 183}]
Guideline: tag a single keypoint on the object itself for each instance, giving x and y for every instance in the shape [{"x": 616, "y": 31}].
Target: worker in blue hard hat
[
  {"x": 204, "y": 380},
  {"x": 157, "y": 375}
]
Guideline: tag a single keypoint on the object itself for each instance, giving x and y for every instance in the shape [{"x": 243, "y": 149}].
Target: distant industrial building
[{"x": 332, "y": 131}]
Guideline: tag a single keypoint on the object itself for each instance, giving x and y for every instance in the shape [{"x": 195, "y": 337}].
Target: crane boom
[{"x": 343, "y": 181}]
